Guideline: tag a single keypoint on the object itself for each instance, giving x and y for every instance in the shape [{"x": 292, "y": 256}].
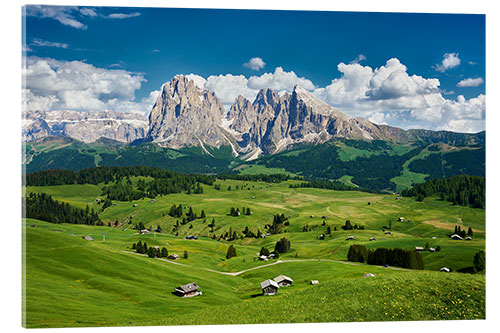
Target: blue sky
[{"x": 436, "y": 78}]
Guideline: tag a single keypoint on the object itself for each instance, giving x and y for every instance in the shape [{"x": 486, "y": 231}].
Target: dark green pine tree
[
  {"x": 164, "y": 252},
  {"x": 231, "y": 252}
]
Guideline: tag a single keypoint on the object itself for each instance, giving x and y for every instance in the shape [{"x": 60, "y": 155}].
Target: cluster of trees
[
  {"x": 383, "y": 256},
  {"x": 43, "y": 207},
  {"x": 282, "y": 246},
  {"x": 443, "y": 165},
  {"x": 349, "y": 226},
  {"x": 122, "y": 192},
  {"x": 176, "y": 211},
  {"x": 271, "y": 178},
  {"x": 461, "y": 232},
  {"x": 279, "y": 220},
  {"x": 104, "y": 174},
  {"x": 460, "y": 190},
  {"x": 231, "y": 252},
  {"x": 152, "y": 252},
  {"x": 236, "y": 211},
  {"x": 249, "y": 233}
]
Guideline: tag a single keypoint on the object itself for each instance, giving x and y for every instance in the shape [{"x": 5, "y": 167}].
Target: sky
[{"x": 406, "y": 70}]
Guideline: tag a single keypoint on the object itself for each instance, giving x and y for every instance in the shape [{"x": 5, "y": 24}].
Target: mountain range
[{"x": 185, "y": 115}]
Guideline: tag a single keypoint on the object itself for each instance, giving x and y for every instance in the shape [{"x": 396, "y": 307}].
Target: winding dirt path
[{"x": 258, "y": 267}]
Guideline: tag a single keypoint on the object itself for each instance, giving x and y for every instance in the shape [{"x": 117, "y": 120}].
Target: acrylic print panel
[{"x": 211, "y": 167}]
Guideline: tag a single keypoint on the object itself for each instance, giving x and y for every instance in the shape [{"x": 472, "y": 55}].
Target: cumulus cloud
[
  {"x": 45, "y": 43},
  {"x": 227, "y": 87},
  {"x": 75, "y": 85},
  {"x": 279, "y": 80},
  {"x": 255, "y": 63},
  {"x": 450, "y": 60},
  {"x": 471, "y": 82},
  {"x": 389, "y": 95}
]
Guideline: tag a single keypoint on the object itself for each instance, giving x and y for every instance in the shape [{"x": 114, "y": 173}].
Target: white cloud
[
  {"x": 471, "y": 82},
  {"x": 75, "y": 85},
  {"x": 450, "y": 60},
  {"x": 62, "y": 14},
  {"x": 255, "y": 63},
  {"x": 279, "y": 80},
  {"x": 71, "y": 15},
  {"x": 122, "y": 15},
  {"x": 45, "y": 43},
  {"x": 358, "y": 59},
  {"x": 88, "y": 12},
  {"x": 227, "y": 87},
  {"x": 389, "y": 95}
]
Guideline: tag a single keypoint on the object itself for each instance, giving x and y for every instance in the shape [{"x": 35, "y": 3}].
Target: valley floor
[{"x": 70, "y": 281}]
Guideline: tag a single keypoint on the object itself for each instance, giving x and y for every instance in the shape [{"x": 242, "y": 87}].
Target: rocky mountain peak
[{"x": 185, "y": 115}]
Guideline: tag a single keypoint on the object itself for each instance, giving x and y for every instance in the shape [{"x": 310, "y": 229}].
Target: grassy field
[{"x": 74, "y": 282}]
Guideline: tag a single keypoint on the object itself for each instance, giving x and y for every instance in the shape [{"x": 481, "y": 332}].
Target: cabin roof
[
  {"x": 187, "y": 288},
  {"x": 268, "y": 283},
  {"x": 281, "y": 278}
]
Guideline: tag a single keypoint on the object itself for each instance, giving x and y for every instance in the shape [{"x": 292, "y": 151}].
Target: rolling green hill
[{"x": 74, "y": 282}]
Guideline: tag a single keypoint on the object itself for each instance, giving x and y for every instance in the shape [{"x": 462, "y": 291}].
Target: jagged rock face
[
  {"x": 186, "y": 115},
  {"x": 85, "y": 126},
  {"x": 35, "y": 128},
  {"x": 273, "y": 122}
]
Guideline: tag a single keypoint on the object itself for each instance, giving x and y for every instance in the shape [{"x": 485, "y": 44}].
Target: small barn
[
  {"x": 88, "y": 238},
  {"x": 456, "y": 237},
  {"x": 314, "y": 282},
  {"x": 188, "y": 290},
  {"x": 369, "y": 275},
  {"x": 388, "y": 233},
  {"x": 191, "y": 237},
  {"x": 272, "y": 256},
  {"x": 431, "y": 249},
  {"x": 445, "y": 269},
  {"x": 283, "y": 281},
  {"x": 324, "y": 217},
  {"x": 401, "y": 219},
  {"x": 134, "y": 205},
  {"x": 263, "y": 258},
  {"x": 372, "y": 239},
  {"x": 269, "y": 287},
  {"x": 468, "y": 238},
  {"x": 419, "y": 248},
  {"x": 145, "y": 232},
  {"x": 350, "y": 238},
  {"x": 173, "y": 256}
]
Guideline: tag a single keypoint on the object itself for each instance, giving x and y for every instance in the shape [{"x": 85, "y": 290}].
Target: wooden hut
[
  {"x": 283, "y": 281},
  {"x": 269, "y": 287},
  {"x": 188, "y": 290}
]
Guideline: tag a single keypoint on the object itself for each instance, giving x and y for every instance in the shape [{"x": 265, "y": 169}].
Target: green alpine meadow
[
  {"x": 193, "y": 166},
  {"x": 104, "y": 280}
]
